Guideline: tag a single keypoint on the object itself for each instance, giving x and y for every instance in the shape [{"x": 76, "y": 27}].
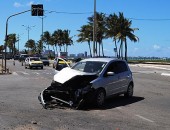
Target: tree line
[{"x": 113, "y": 26}]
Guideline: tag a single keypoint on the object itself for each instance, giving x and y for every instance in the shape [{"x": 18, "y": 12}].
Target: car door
[
  {"x": 111, "y": 82},
  {"x": 123, "y": 75}
]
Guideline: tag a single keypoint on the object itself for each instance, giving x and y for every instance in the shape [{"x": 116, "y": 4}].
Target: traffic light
[
  {"x": 40, "y": 10},
  {"x": 34, "y": 10},
  {"x": 37, "y": 10}
]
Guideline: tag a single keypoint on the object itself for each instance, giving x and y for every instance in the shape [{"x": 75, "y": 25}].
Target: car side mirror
[{"x": 110, "y": 73}]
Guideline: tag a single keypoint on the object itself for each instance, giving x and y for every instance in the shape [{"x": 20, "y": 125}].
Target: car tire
[
  {"x": 25, "y": 67},
  {"x": 41, "y": 67},
  {"x": 129, "y": 92},
  {"x": 100, "y": 98},
  {"x": 30, "y": 67}
]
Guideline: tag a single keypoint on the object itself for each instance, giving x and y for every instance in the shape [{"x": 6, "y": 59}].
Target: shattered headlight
[{"x": 87, "y": 88}]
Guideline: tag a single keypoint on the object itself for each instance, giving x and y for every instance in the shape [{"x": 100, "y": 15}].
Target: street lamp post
[
  {"x": 28, "y": 28},
  {"x": 42, "y": 18},
  {"x": 18, "y": 38},
  {"x": 6, "y": 34}
]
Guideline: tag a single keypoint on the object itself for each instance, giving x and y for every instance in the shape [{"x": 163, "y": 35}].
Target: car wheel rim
[{"x": 100, "y": 99}]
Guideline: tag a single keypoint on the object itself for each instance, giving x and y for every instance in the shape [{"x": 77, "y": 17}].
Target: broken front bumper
[{"x": 80, "y": 97}]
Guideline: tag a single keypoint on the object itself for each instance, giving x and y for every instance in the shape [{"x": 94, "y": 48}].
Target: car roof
[{"x": 101, "y": 59}]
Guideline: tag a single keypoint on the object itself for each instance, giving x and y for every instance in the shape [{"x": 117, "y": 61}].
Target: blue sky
[{"x": 150, "y": 16}]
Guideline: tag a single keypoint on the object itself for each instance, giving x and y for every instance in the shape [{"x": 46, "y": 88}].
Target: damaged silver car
[{"x": 91, "y": 80}]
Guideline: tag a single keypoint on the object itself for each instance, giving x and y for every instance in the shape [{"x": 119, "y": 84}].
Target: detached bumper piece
[{"x": 53, "y": 99}]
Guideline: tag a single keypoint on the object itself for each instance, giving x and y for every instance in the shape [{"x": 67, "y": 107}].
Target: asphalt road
[{"x": 149, "y": 109}]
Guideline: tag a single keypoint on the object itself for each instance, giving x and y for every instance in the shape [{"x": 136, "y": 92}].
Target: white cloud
[
  {"x": 16, "y": 4},
  {"x": 30, "y": 3},
  {"x": 156, "y": 47}
]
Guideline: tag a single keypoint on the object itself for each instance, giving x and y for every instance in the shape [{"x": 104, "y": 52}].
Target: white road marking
[
  {"x": 36, "y": 73},
  {"x": 156, "y": 67},
  {"x": 14, "y": 73},
  {"x": 25, "y": 73},
  {"x": 144, "y": 118},
  {"x": 165, "y": 74}
]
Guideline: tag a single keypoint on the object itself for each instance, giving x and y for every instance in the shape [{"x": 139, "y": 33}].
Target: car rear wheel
[
  {"x": 129, "y": 92},
  {"x": 100, "y": 98}
]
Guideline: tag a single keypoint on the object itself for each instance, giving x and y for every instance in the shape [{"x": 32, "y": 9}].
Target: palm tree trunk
[
  {"x": 116, "y": 48},
  {"x": 96, "y": 48},
  {"x": 99, "y": 48},
  {"x": 56, "y": 49},
  {"x": 102, "y": 49},
  {"x": 120, "y": 50},
  {"x": 60, "y": 47},
  {"x": 66, "y": 48},
  {"x": 89, "y": 48},
  {"x": 125, "y": 49}
]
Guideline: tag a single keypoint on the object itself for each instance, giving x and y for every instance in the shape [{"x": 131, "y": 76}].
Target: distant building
[
  {"x": 48, "y": 53},
  {"x": 80, "y": 55},
  {"x": 85, "y": 53},
  {"x": 73, "y": 55}
]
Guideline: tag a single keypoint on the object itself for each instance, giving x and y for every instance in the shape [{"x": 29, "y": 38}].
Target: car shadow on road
[{"x": 115, "y": 102}]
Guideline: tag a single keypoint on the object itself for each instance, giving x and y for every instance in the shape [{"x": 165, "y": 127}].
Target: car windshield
[
  {"x": 34, "y": 59},
  {"x": 44, "y": 58},
  {"x": 90, "y": 66}
]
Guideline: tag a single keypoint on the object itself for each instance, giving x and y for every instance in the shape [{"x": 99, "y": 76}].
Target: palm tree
[
  {"x": 46, "y": 38},
  {"x": 100, "y": 30},
  {"x": 39, "y": 46},
  {"x": 30, "y": 44},
  {"x": 125, "y": 31},
  {"x": 86, "y": 35},
  {"x": 58, "y": 38},
  {"x": 112, "y": 29},
  {"x": 67, "y": 40},
  {"x": 11, "y": 42}
]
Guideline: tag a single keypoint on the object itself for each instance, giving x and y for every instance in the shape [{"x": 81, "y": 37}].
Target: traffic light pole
[{"x": 6, "y": 34}]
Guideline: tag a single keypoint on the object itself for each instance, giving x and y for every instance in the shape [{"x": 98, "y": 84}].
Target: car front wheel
[
  {"x": 100, "y": 98},
  {"x": 129, "y": 92}
]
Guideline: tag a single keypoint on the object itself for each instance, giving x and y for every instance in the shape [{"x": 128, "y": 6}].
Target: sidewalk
[
  {"x": 3, "y": 72},
  {"x": 156, "y": 66}
]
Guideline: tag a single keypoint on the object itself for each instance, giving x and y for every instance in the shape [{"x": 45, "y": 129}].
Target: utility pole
[
  {"x": 28, "y": 28},
  {"x": 18, "y": 38},
  {"x": 42, "y": 18},
  {"x": 94, "y": 30}
]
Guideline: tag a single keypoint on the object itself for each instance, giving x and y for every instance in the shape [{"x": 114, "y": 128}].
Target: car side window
[
  {"x": 112, "y": 68},
  {"x": 122, "y": 67}
]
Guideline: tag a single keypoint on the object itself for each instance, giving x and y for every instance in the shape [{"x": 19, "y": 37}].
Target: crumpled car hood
[{"x": 67, "y": 73}]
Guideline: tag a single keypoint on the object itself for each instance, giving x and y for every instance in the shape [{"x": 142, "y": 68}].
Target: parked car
[
  {"x": 45, "y": 61},
  {"x": 16, "y": 57},
  {"x": 31, "y": 62},
  {"x": 60, "y": 63},
  {"x": 90, "y": 80},
  {"x": 23, "y": 57}
]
